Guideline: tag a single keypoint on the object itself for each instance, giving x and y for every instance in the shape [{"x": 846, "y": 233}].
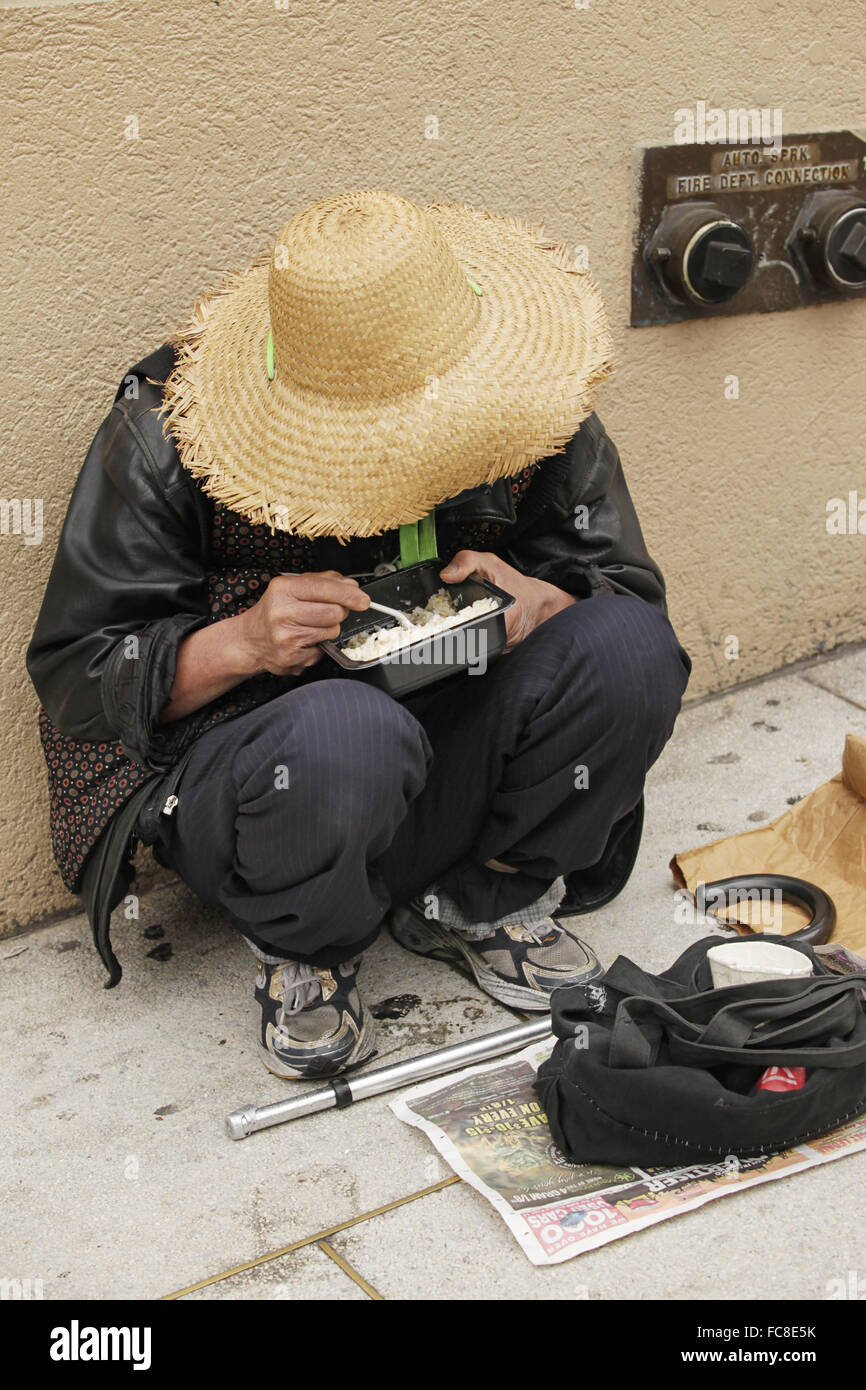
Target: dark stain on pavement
[{"x": 395, "y": 1006}]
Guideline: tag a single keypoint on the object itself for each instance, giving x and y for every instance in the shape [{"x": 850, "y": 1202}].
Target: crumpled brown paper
[{"x": 822, "y": 838}]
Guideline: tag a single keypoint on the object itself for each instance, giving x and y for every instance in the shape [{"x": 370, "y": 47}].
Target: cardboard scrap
[{"x": 821, "y": 838}]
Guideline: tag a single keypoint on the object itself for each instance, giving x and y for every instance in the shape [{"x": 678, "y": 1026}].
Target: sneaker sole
[
  {"x": 430, "y": 939},
  {"x": 323, "y": 1066}
]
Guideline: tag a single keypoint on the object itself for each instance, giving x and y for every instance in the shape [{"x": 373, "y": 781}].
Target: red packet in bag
[{"x": 781, "y": 1079}]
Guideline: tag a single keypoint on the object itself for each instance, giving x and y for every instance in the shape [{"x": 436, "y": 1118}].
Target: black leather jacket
[{"x": 133, "y": 558}]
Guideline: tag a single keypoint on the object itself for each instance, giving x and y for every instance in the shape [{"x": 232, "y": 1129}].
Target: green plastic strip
[
  {"x": 427, "y": 537},
  {"x": 409, "y": 554},
  {"x": 418, "y": 541},
  {"x": 270, "y": 356}
]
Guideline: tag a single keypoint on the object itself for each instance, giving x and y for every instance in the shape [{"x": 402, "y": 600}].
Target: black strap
[
  {"x": 737, "y": 1025},
  {"x": 343, "y": 1092}
]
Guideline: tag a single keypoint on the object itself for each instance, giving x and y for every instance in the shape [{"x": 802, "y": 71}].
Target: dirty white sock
[
  {"x": 260, "y": 955},
  {"x": 444, "y": 910}
]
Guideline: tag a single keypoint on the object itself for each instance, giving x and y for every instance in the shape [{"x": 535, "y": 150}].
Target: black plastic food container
[{"x": 468, "y": 646}]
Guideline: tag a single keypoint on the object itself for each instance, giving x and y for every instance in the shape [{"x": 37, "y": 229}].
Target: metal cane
[{"x": 342, "y": 1091}]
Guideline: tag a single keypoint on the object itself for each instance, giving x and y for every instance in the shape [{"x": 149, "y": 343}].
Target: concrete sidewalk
[{"x": 118, "y": 1180}]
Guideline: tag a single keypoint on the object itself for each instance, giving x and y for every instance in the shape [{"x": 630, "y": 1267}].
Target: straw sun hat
[{"x": 415, "y": 352}]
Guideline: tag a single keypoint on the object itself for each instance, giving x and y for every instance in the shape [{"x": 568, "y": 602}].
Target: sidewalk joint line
[
  {"x": 343, "y": 1264},
  {"x": 812, "y": 680},
  {"x": 309, "y": 1240},
  {"x": 798, "y": 667}
]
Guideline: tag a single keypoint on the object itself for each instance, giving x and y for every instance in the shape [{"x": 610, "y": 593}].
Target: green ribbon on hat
[
  {"x": 269, "y": 357},
  {"x": 418, "y": 541}
]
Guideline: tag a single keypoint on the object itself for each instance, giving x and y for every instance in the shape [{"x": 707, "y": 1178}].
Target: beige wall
[{"x": 246, "y": 111}]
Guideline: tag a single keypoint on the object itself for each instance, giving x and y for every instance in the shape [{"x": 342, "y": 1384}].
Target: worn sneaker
[
  {"x": 311, "y": 1022},
  {"x": 520, "y": 966}
]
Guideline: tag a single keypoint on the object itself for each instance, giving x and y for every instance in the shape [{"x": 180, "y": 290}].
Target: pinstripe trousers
[{"x": 308, "y": 817}]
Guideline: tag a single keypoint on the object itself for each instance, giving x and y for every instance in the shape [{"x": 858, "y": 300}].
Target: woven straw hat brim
[{"x": 317, "y": 464}]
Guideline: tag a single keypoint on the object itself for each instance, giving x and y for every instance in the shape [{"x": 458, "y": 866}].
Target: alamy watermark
[
  {"x": 22, "y": 516},
  {"x": 21, "y": 1290},
  {"x": 852, "y": 1286},
  {"x": 711, "y": 125},
  {"x": 464, "y": 648},
  {"x": 846, "y": 516},
  {"x": 77, "y": 1343},
  {"x": 718, "y": 903}
]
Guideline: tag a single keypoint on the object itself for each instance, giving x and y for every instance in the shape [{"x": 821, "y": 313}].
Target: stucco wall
[{"x": 247, "y": 111}]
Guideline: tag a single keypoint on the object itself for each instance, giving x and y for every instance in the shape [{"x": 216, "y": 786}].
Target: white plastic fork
[{"x": 402, "y": 619}]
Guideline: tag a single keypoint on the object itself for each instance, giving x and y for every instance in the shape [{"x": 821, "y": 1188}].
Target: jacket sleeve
[
  {"x": 128, "y": 583},
  {"x": 593, "y": 543}
]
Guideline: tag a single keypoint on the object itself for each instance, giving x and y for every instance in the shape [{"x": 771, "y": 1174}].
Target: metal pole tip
[{"x": 240, "y": 1122}]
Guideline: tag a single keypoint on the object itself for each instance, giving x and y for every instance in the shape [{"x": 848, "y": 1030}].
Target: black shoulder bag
[{"x": 664, "y": 1069}]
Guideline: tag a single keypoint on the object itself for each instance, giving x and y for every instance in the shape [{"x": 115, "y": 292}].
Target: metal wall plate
[{"x": 800, "y": 204}]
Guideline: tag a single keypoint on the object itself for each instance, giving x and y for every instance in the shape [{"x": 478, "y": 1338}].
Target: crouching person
[{"x": 248, "y": 479}]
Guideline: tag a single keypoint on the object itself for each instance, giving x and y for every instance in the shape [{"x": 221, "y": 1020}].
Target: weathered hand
[
  {"x": 536, "y": 599},
  {"x": 282, "y": 631}
]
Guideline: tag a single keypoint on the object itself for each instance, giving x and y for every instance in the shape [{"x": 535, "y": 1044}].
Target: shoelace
[
  {"x": 541, "y": 931},
  {"x": 300, "y": 983}
]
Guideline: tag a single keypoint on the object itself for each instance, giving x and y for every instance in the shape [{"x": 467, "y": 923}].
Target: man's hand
[
  {"x": 282, "y": 631},
  {"x": 536, "y": 599},
  {"x": 279, "y": 634}
]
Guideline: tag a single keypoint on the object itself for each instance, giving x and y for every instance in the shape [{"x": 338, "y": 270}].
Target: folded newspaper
[{"x": 489, "y": 1126}]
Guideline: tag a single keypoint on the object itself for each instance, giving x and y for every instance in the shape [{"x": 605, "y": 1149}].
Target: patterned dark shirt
[{"x": 89, "y": 782}]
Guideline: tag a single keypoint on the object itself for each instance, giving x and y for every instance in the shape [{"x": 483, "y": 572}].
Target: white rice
[{"x": 437, "y": 614}]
